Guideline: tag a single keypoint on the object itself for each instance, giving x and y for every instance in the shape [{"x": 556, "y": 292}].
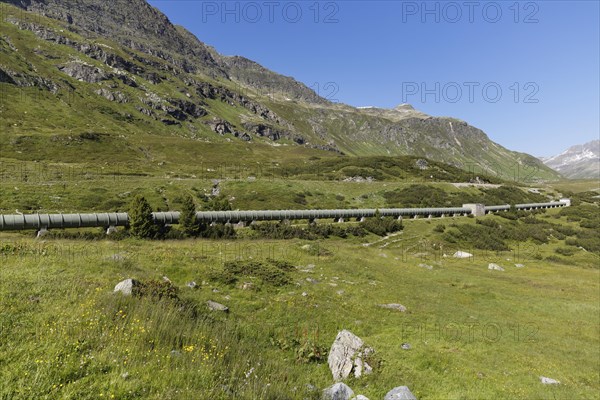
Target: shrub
[
  {"x": 158, "y": 290},
  {"x": 439, "y": 228},
  {"x": 274, "y": 273},
  {"x": 381, "y": 226},
  {"x": 565, "y": 251}
]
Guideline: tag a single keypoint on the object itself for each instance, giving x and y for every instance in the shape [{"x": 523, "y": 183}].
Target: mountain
[
  {"x": 122, "y": 74},
  {"x": 577, "y": 162}
]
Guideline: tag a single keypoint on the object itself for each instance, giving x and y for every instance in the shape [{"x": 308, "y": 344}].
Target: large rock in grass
[
  {"x": 214, "y": 306},
  {"x": 127, "y": 287},
  {"x": 400, "y": 393},
  {"x": 346, "y": 356},
  {"x": 495, "y": 267},
  {"x": 338, "y": 391},
  {"x": 549, "y": 381},
  {"x": 462, "y": 254},
  {"x": 394, "y": 306}
]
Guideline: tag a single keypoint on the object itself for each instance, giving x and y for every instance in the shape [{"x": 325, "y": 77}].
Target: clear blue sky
[{"x": 382, "y": 53}]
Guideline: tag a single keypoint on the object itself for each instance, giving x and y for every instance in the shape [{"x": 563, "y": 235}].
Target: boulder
[
  {"x": 394, "y": 306},
  {"x": 400, "y": 393},
  {"x": 346, "y": 356},
  {"x": 495, "y": 267},
  {"x": 214, "y": 306},
  {"x": 549, "y": 381},
  {"x": 462, "y": 254},
  {"x": 127, "y": 287},
  {"x": 338, "y": 391}
]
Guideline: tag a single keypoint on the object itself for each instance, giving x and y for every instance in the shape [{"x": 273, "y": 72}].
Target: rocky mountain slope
[
  {"x": 120, "y": 69},
  {"x": 577, "y": 162}
]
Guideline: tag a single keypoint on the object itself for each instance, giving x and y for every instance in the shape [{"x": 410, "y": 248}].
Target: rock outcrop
[{"x": 347, "y": 355}]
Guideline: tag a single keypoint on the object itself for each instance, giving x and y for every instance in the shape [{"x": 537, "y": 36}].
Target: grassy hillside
[
  {"x": 474, "y": 333},
  {"x": 69, "y": 95}
]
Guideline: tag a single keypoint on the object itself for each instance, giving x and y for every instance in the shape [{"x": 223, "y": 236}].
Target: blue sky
[{"x": 527, "y": 73}]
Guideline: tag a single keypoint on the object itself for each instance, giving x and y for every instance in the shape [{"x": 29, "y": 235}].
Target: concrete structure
[{"x": 477, "y": 210}]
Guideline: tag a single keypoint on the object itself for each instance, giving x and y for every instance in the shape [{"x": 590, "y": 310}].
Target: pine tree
[
  {"x": 141, "y": 222},
  {"x": 187, "y": 220}
]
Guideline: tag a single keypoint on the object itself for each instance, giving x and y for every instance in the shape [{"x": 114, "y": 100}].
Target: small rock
[
  {"x": 215, "y": 290},
  {"x": 166, "y": 279},
  {"x": 400, "y": 393},
  {"x": 214, "y": 306},
  {"x": 304, "y": 294},
  {"x": 311, "y": 280},
  {"x": 549, "y": 381},
  {"x": 394, "y": 306},
  {"x": 248, "y": 286},
  {"x": 340, "y": 292},
  {"x": 519, "y": 265},
  {"x": 462, "y": 254},
  {"x": 127, "y": 287},
  {"x": 495, "y": 267},
  {"x": 117, "y": 257},
  {"x": 125, "y": 375},
  {"x": 310, "y": 266},
  {"x": 192, "y": 285},
  {"x": 426, "y": 266},
  {"x": 360, "y": 397},
  {"x": 338, "y": 391},
  {"x": 406, "y": 346},
  {"x": 175, "y": 353}
]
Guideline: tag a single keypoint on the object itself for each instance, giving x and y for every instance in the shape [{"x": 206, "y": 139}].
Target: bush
[
  {"x": 271, "y": 272},
  {"x": 158, "y": 290},
  {"x": 565, "y": 251},
  {"x": 381, "y": 226}
]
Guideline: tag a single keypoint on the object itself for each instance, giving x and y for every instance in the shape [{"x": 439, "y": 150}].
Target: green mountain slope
[{"x": 80, "y": 80}]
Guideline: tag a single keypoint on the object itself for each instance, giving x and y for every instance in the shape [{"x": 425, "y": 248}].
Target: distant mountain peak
[
  {"x": 579, "y": 161},
  {"x": 404, "y": 107}
]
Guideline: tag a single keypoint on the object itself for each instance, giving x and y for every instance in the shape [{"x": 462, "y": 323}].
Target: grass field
[{"x": 475, "y": 333}]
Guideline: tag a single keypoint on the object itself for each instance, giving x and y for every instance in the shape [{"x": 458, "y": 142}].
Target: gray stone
[
  {"x": 192, "y": 285},
  {"x": 400, "y": 393},
  {"x": 360, "y": 397},
  {"x": 495, "y": 267},
  {"x": 214, "y": 306},
  {"x": 127, "y": 287},
  {"x": 462, "y": 254},
  {"x": 549, "y": 381},
  {"x": 519, "y": 265},
  {"x": 345, "y": 356},
  {"x": 394, "y": 306},
  {"x": 338, "y": 391},
  {"x": 426, "y": 266},
  {"x": 248, "y": 286},
  {"x": 406, "y": 346}
]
